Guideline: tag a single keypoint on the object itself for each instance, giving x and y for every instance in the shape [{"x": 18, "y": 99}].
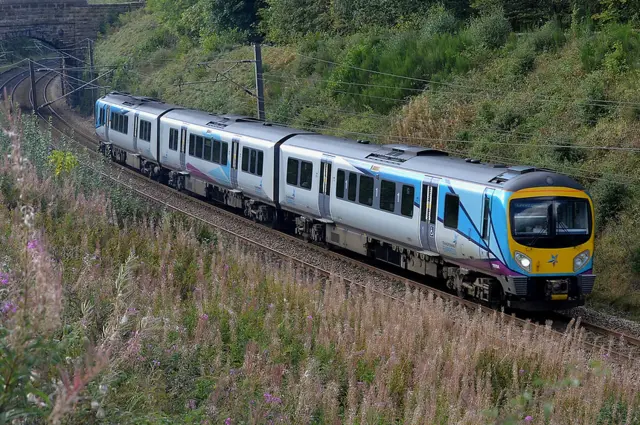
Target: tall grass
[{"x": 164, "y": 321}]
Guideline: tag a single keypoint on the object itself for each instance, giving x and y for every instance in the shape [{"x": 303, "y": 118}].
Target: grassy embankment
[
  {"x": 115, "y": 313},
  {"x": 548, "y": 98}
]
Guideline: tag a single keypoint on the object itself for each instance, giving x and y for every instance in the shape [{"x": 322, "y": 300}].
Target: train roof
[
  {"x": 413, "y": 158},
  {"x": 236, "y": 124},
  {"x": 435, "y": 162},
  {"x": 138, "y": 103}
]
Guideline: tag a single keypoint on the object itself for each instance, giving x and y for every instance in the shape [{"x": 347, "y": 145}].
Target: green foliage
[
  {"x": 20, "y": 357},
  {"x": 610, "y": 200},
  {"x": 617, "y": 48},
  {"x": 439, "y": 21},
  {"x": 285, "y": 20},
  {"x": 63, "y": 162},
  {"x": 594, "y": 105},
  {"x": 490, "y": 30}
]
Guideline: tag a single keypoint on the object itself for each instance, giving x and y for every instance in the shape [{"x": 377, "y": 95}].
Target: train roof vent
[
  {"x": 521, "y": 169},
  {"x": 126, "y": 103},
  {"x": 222, "y": 123},
  {"x": 399, "y": 149},
  {"x": 364, "y": 142}
]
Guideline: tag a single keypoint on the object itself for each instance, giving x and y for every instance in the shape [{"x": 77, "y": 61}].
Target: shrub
[
  {"x": 592, "y": 106},
  {"x": 439, "y": 21},
  {"x": 619, "y": 44},
  {"x": 490, "y": 30},
  {"x": 609, "y": 198},
  {"x": 549, "y": 38}
]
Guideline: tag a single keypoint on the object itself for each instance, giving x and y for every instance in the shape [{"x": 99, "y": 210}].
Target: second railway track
[{"x": 323, "y": 262}]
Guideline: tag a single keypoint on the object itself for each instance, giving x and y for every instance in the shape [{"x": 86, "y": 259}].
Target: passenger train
[{"x": 512, "y": 236}]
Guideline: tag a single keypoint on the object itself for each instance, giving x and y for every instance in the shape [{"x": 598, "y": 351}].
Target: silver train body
[{"x": 413, "y": 207}]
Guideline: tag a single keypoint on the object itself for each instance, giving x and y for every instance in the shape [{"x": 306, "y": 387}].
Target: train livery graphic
[{"x": 512, "y": 236}]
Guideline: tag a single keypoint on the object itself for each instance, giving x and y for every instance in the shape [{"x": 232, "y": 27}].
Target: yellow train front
[{"x": 549, "y": 232}]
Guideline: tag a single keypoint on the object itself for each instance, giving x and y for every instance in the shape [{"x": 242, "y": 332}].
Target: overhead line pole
[
  {"x": 32, "y": 72},
  {"x": 92, "y": 75},
  {"x": 257, "y": 52}
]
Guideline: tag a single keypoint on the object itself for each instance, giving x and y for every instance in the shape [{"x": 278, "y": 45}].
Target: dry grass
[{"x": 192, "y": 327}]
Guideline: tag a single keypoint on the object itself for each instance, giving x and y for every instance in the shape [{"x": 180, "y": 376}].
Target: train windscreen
[{"x": 550, "y": 222}]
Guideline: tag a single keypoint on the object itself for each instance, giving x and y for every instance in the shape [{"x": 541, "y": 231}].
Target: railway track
[{"x": 597, "y": 339}]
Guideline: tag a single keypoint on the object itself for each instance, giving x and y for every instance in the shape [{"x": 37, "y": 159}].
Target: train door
[
  {"x": 324, "y": 195},
  {"x": 136, "y": 120},
  {"x": 183, "y": 148},
  {"x": 485, "y": 230},
  {"x": 235, "y": 154},
  {"x": 107, "y": 121},
  {"x": 429, "y": 214}
]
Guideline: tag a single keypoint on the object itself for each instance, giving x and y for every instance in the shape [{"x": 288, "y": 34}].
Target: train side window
[
  {"x": 245, "y": 159},
  {"x": 292, "y": 171},
  {"x": 101, "y": 118},
  {"x": 434, "y": 205},
  {"x": 260, "y": 162},
  {"x": 365, "y": 195},
  {"x": 145, "y": 130},
  {"x": 353, "y": 185},
  {"x": 216, "y": 152},
  {"x": 112, "y": 120},
  {"x": 173, "y": 139},
  {"x": 340, "y": 184},
  {"x": 207, "y": 149},
  {"x": 199, "y": 145},
  {"x": 485, "y": 218},
  {"x": 406, "y": 207},
  {"x": 125, "y": 127},
  {"x": 225, "y": 153},
  {"x": 451, "y": 210},
  {"x": 306, "y": 174},
  {"x": 387, "y": 196},
  {"x": 192, "y": 145}
]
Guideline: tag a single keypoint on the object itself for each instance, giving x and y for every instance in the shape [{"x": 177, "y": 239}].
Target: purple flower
[
  {"x": 271, "y": 306},
  {"x": 227, "y": 421},
  {"x": 226, "y": 267},
  {"x": 522, "y": 371},
  {"x": 132, "y": 310},
  {"x": 9, "y": 307},
  {"x": 155, "y": 363},
  {"x": 191, "y": 404},
  {"x": 528, "y": 419},
  {"x": 310, "y": 317},
  {"x": 4, "y": 278},
  {"x": 32, "y": 244},
  {"x": 268, "y": 398},
  {"x": 204, "y": 316}
]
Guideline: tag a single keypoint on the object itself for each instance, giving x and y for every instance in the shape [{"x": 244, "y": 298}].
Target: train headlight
[
  {"x": 523, "y": 261},
  {"x": 580, "y": 260}
]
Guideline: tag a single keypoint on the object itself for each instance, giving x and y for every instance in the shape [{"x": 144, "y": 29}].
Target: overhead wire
[
  {"x": 545, "y": 145},
  {"x": 581, "y": 172},
  {"x": 465, "y": 87}
]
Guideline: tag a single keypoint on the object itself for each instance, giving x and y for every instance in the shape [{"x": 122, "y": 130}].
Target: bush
[
  {"x": 490, "y": 30},
  {"x": 549, "y": 38},
  {"x": 609, "y": 199},
  {"x": 439, "y": 21},
  {"x": 592, "y": 106},
  {"x": 619, "y": 45}
]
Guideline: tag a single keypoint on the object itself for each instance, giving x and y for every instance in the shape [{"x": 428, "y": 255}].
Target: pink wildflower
[
  {"x": 227, "y": 421},
  {"x": 528, "y": 419},
  {"x": 4, "y": 278},
  {"x": 32, "y": 244}
]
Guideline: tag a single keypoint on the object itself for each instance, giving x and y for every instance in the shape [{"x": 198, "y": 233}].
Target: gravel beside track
[{"x": 288, "y": 248}]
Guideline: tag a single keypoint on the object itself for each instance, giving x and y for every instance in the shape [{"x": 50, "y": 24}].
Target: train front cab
[{"x": 550, "y": 234}]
